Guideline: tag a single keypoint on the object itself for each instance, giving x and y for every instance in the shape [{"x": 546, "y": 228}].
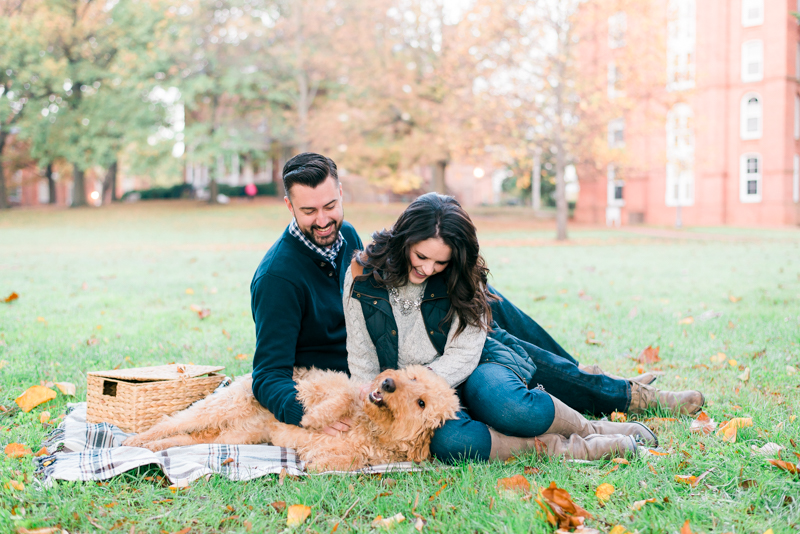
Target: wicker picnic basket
[{"x": 136, "y": 399}]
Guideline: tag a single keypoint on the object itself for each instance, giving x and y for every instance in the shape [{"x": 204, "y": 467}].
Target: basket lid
[{"x": 173, "y": 371}]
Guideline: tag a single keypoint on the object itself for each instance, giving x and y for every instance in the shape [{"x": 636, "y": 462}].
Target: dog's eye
[{"x": 421, "y": 403}]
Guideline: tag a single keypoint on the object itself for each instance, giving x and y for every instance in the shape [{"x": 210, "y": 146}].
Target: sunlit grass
[{"x": 120, "y": 276}]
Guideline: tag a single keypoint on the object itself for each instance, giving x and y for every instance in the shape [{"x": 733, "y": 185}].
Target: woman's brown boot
[
  {"x": 644, "y": 378},
  {"x": 644, "y": 397},
  {"x": 591, "y": 447},
  {"x": 567, "y": 422}
]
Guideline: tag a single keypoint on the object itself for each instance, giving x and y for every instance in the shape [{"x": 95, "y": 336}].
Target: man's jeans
[{"x": 495, "y": 396}]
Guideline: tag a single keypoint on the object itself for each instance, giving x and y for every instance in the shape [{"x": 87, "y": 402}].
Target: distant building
[{"x": 725, "y": 145}]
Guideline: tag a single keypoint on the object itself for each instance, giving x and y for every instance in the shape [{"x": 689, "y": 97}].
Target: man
[
  {"x": 296, "y": 293},
  {"x": 296, "y": 298}
]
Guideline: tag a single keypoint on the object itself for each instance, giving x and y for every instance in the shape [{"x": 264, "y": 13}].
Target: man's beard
[{"x": 327, "y": 240}]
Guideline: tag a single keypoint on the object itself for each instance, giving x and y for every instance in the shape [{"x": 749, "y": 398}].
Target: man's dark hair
[{"x": 308, "y": 169}]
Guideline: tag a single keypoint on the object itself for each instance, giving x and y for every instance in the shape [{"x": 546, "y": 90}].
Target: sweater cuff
[{"x": 294, "y": 414}]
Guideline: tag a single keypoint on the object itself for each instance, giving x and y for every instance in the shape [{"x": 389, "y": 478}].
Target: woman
[{"x": 419, "y": 295}]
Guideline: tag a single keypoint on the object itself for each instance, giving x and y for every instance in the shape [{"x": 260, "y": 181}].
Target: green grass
[{"x": 120, "y": 275}]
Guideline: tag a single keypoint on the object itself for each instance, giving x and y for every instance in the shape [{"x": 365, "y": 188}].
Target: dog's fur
[{"x": 394, "y": 418}]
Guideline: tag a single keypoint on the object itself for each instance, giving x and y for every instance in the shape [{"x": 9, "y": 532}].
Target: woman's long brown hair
[{"x": 430, "y": 216}]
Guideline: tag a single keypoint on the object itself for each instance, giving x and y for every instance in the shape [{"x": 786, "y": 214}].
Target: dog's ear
[{"x": 421, "y": 447}]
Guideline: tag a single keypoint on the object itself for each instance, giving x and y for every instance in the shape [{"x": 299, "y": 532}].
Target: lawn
[{"x": 101, "y": 288}]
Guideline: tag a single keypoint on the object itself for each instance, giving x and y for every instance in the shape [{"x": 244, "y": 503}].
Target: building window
[
  {"x": 616, "y": 133},
  {"x": 680, "y": 156},
  {"x": 617, "y": 27},
  {"x": 752, "y": 12},
  {"x": 796, "y": 180},
  {"x": 797, "y": 117},
  {"x": 614, "y": 79},
  {"x": 681, "y": 42},
  {"x": 751, "y": 117},
  {"x": 753, "y": 61},
  {"x": 616, "y": 187},
  {"x": 750, "y": 178}
]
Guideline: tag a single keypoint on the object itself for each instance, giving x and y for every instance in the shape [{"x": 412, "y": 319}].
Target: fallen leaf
[
  {"x": 432, "y": 497},
  {"x": 419, "y": 524},
  {"x": 649, "y": 355},
  {"x": 279, "y": 506},
  {"x": 685, "y": 528},
  {"x": 19, "y": 486},
  {"x": 786, "y": 466},
  {"x": 92, "y": 341},
  {"x": 565, "y": 512},
  {"x": 618, "y": 417},
  {"x": 748, "y": 483},
  {"x": 227, "y": 461},
  {"x": 40, "y": 530},
  {"x": 604, "y": 492},
  {"x": 727, "y": 431},
  {"x": 732, "y": 362},
  {"x": 731, "y": 326},
  {"x": 242, "y": 356},
  {"x": 652, "y": 469},
  {"x": 691, "y": 480},
  {"x": 41, "y": 319},
  {"x": 703, "y": 424},
  {"x": 639, "y": 504},
  {"x": 44, "y": 417},
  {"x": 389, "y": 522},
  {"x": 226, "y": 333},
  {"x": 621, "y": 461},
  {"x": 618, "y": 529},
  {"x": 189, "y": 291},
  {"x": 791, "y": 370},
  {"x": 745, "y": 376},
  {"x": 297, "y": 514},
  {"x": 719, "y": 357},
  {"x": 734, "y": 299},
  {"x": 205, "y": 312},
  {"x": 531, "y": 470},
  {"x": 515, "y": 483},
  {"x": 686, "y": 320},
  {"x": 67, "y": 388},
  {"x": 768, "y": 448},
  {"x": 42, "y": 452},
  {"x": 11, "y": 298},
  {"x": 33, "y": 397}
]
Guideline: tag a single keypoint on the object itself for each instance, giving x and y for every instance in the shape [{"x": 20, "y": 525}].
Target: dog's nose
[{"x": 388, "y": 385}]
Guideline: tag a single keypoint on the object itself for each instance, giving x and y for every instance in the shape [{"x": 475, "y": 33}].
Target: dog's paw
[{"x": 133, "y": 441}]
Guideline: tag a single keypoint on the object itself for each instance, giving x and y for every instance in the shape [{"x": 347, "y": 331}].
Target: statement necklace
[{"x": 407, "y": 306}]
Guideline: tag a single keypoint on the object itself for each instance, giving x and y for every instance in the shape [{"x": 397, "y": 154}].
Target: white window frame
[
  {"x": 43, "y": 191},
  {"x": 797, "y": 117},
  {"x": 617, "y": 29},
  {"x": 681, "y": 44},
  {"x": 747, "y": 112},
  {"x": 613, "y": 183},
  {"x": 796, "y": 179},
  {"x": 614, "y": 126},
  {"x": 614, "y": 79},
  {"x": 753, "y": 55},
  {"x": 745, "y": 177},
  {"x": 680, "y": 156},
  {"x": 747, "y": 7}
]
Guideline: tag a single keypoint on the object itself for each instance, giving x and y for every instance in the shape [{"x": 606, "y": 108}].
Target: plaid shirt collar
[{"x": 329, "y": 253}]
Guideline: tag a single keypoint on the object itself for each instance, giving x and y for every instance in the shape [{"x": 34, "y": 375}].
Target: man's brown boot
[
  {"x": 644, "y": 378},
  {"x": 567, "y": 422},
  {"x": 644, "y": 397},
  {"x": 591, "y": 447}
]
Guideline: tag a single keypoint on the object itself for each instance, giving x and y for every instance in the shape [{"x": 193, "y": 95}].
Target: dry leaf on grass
[
  {"x": 618, "y": 417},
  {"x": 67, "y": 388},
  {"x": 16, "y": 450},
  {"x": 33, "y": 397},
  {"x": 278, "y": 506},
  {"x": 745, "y": 376},
  {"x": 389, "y": 522},
  {"x": 690, "y": 480},
  {"x": 297, "y": 514},
  {"x": 604, "y": 492},
  {"x": 727, "y": 431},
  {"x": 649, "y": 355},
  {"x": 44, "y": 417},
  {"x": 19, "y": 486},
  {"x": 11, "y": 298},
  {"x": 734, "y": 299},
  {"x": 639, "y": 504},
  {"x": 40, "y": 530},
  {"x": 242, "y": 356},
  {"x": 768, "y": 448},
  {"x": 560, "y": 509},
  {"x": 718, "y": 357},
  {"x": 419, "y": 523},
  {"x": 786, "y": 466},
  {"x": 686, "y": 320},
  {"x": 42, "y": 452},
  {"x": 515, "y": 483},
  {"x": 619, "y": 529},
  {"x": 685, "y": 528},
  {"x": 703, "y": 424}
]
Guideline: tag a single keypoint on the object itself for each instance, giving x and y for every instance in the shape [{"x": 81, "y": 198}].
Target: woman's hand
[{"x": 338, "y": 427}]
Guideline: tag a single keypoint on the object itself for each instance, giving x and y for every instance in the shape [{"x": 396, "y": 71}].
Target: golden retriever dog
[{"x": 394, "y": 418}]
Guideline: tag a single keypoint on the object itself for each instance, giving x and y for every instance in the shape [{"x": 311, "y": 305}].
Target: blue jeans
[
  {"x": 492, "y": 396},
  {"x": 556, "y": 370}
]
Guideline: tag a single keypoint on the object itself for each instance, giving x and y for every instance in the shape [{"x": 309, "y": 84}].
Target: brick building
[{"x": 724, "y": 147}]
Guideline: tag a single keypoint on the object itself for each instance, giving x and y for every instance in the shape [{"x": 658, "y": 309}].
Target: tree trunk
[
  {"x": 219, "y": 175},
  {"x": 437, "y": 178},
  {"x": 277, "y": 174},
  {"x": 110, "y": 184},
  {"x": 78, "y": 188},
  {"x": 3, "y": 193},
  {"x": 213, "y": 191},
  {"x": 51, "y": 183},
  {"x": 561, "y": 198},
  {"x": 536, "y": 182}
]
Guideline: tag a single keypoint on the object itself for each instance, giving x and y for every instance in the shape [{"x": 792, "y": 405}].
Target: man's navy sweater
[{"x": 296, "y": 298}]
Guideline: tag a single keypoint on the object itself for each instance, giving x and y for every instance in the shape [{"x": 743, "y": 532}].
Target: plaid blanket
[{"x": 84, "y": 451}]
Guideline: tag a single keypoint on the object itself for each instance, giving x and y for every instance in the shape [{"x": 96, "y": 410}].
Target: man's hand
[{"x": 338, "y": 427}]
